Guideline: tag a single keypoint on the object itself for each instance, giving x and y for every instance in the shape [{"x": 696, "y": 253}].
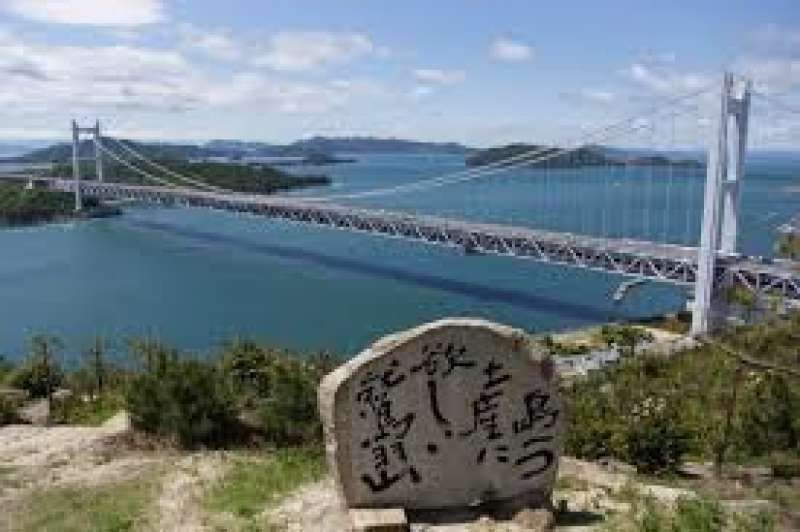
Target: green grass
[
  {"x": 9, "y": 478},
  {"x": 687, "y": 515},
  {"x": 254, "y": 482},
  {"x": 75, "y": 411},
  {"x": 108, "y": 508}
]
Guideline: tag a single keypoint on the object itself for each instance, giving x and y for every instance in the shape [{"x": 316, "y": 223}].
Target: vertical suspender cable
[{"x": 667, "y": 205}]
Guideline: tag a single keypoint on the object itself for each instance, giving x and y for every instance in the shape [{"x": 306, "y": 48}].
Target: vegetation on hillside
[
  {"x": 119, "y": 507},
  {"x": 245, "y": 391},
  {"x": 250, "y": 179},
  {"x": 788, "y": 245},
  {"x": 548, "y": 156},
  {"x": 253, "y": 480},
  {"x": 315, "y": 147},
  {"x": 20, "y": 206},
  {"x": 707, "y": 402}
]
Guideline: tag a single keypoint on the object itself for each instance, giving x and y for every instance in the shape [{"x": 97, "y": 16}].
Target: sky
[{"x": 480, "y": 72}]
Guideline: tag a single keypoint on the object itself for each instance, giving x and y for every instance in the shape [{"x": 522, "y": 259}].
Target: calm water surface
[{"x": 196, "y": 278}]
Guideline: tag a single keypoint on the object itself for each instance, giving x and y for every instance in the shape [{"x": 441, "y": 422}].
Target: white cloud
[
  {"x": 90, "y": 12},
  {"x": 504, "y": 49},
  {"x": 421, "y": 91},
  {"x": 777, "y": 40},
  {"x": 440, "y": 76},
  {"x": 218, "y": 44},
  {"x": 774, "y": 74},
  {"x": 41, "y": 79},
  {"x": 665, "y": 81},
  {"x": 301, "y": 51},
  {"x": 594, "y": 96}
]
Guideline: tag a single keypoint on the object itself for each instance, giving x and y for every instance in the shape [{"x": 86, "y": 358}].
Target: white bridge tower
[
  {"x": 76, "y": 158},
  {"x": 725, "y": 170}
]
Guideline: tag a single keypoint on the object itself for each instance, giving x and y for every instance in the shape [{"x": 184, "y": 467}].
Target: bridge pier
[{"x": 724, "y": 172}]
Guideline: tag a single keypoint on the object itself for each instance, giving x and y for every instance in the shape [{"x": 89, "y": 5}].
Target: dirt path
[{"x": 44, "y": 456}]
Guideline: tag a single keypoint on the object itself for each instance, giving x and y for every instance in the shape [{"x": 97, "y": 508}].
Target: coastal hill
[
  {"x": 378, "y": 145},
  {"x": 542, "y": 156},
  {"x": 315, "y": 150}
]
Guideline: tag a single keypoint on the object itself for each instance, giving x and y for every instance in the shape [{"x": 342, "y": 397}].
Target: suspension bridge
[{"x": 710, "y": 267}]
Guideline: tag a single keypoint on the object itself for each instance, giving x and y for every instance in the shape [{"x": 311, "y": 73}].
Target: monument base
[{"x": 378, "y": 520}]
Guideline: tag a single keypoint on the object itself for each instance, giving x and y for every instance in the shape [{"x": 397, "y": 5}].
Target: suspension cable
[
  {"x": 139, "y": 171},
  {"x": 539, "y": 154},
  {"x": 168, "y": 171}
]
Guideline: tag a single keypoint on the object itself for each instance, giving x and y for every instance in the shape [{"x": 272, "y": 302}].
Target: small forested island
[
  {"x": 547, "y": 156},
  {"x": 179, "y": 160},
  {"x": 249, "y": 179},
  {"x": 22, "y": 206}
]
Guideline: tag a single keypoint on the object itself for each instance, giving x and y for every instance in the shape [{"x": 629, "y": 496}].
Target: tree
[
  {"x": 625, "y": 337},
  {"x": 743, "y": 298},
  {"x": 41, "y": 373},
  {"x": 788, "y": 246},
  {"x": 95, "y": 362}
]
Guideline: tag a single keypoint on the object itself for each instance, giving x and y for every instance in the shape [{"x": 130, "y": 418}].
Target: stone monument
[{"x": 451, "y": 414}]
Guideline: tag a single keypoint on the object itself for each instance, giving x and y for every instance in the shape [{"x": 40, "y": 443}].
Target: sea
[{"x": 197, "y": 278}]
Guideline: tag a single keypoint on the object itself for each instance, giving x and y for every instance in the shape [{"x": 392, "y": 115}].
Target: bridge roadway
[{"x": 634, "y": 258}]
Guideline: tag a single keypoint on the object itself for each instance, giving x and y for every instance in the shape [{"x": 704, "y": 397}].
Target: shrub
[
  {"x": 40, "y": 374},
  {"x": 6, "y": 368},
  {"x": 8, "y": 411},
  {"x": 186, "y": 401},
  {"x": 280, "y": 387},
  {"x": 289, "y": 413},
  {"x": 86, "y": 410},
  {"x": 625, "y": 337},
  {"x": 649, "y": 410},
  {"x": 621, "y": 412}
]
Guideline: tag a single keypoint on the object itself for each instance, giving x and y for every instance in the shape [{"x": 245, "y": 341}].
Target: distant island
[
  {"x": 194, "y": 162},
  {"x": 312, "y": 151},
  {"x": 548, "y": 156},
  {"x": 248, "y": 179}
]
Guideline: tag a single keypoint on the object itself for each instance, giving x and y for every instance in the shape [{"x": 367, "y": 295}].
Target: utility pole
[
  {"x": 76, "y": 168},
  {"x": 724, "y": 172}
]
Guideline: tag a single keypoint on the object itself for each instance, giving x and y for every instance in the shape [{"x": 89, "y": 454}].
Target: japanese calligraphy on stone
[{"x": 448, "y": 414}]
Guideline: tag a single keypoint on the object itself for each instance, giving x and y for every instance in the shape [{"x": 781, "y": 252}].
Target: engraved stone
[{"x": 450, "y": 414}]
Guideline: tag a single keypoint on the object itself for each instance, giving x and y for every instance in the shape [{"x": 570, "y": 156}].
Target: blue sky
[{"x": 475, "y": 71}]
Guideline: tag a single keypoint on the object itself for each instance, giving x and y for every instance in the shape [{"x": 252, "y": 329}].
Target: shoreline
[{"x": 104, "y": 211}]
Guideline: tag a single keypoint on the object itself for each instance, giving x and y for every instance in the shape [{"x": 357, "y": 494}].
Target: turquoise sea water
[{"x": 196, "y": 278}]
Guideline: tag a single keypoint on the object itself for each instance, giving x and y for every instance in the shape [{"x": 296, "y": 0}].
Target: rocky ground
[{"x": 34, "y": 459}]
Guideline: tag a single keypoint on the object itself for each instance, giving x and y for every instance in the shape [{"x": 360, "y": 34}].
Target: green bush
[
  {"x": 289, "y": 413},
  {"x": 616, "y": 414},
  {"x": 86, "y": 410},
  {"x": 280, "y": 387},
  {"x": 8, "y": 411},
  {"x": 6, "y": 368},
  {"x": 41, "y": 373},
  {"x": 187, "y": 401},
  {"x": 651, "y": 410}
]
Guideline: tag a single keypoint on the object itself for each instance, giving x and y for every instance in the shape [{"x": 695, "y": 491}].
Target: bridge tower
[
  {"x": 724, "y": 173},
  {"x": 76, "y": 158}
]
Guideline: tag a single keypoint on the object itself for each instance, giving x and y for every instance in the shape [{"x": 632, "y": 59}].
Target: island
[
  {"x": 552, "y": 157},
  {"x": 248, "y": 179},
  {"x": 20, "y": 205}
]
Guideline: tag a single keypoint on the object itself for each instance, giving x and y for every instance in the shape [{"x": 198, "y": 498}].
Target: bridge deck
[{"x": 659, "y": 261}]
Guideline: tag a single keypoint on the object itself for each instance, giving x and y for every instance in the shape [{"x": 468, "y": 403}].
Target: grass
[
  {"x": 108, "y": 508},
  {"x": 9, "y": 478},
  {"x": 704, "y": 514},
  {"x": 254, "y": 482},
  {"x": 77, "y": 411}
]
